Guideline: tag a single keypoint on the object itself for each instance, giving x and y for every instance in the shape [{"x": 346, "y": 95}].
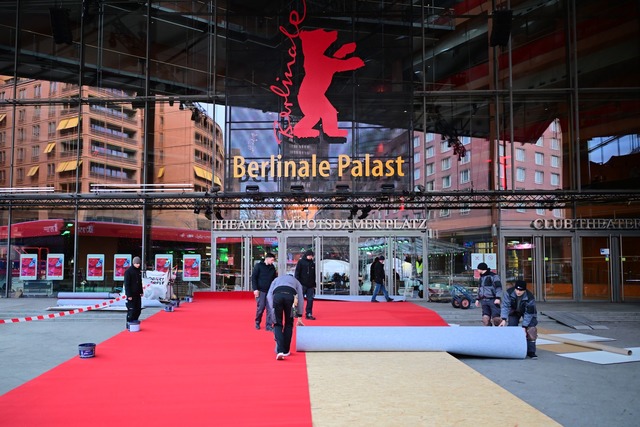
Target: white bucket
[{"x": 134, "y": 326}]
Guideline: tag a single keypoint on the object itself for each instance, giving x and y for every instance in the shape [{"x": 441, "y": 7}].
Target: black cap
[
  {"x": 483, "y": 266},
  {"x": 309, "y": 253},
  {"x": 381, "y": 258},
  {"x": 269, "y": 255},
  {"x": 521, "y": 285}
]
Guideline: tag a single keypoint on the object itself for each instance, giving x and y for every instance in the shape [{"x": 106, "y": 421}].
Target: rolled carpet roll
[{"x": 481, "y": 341}]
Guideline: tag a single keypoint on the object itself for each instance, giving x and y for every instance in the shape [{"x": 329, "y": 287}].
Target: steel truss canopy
[{"x": 336, "y": 201}]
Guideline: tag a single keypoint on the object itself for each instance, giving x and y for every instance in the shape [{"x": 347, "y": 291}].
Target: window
[
  {"x": 446, "y": 181},
  {"x": 466, "y": 158},
  {"x": 540, "y": 142},
  {"x": 22, "y": 94},
  {"x": 444, "y": 146},
  {"x": 36, "y": 111},
  {"x": 539, "y": 177},
  {"x": 465, "y": 211},
  {"x": 520, "y": 155},
  {"x": 430, "y": 169},
  {"x": 430, "y": 186},
  {"x": 428, "y": 137},
  {"x": 555, "y": 161},
  {"x": 35, "y": 131},
  {"x": 416, "y": 158},
  {"x": 557, "y": 213},
  {"x": 37, "y": 91},
  {"x": 416, "y": 174},
  {"x": 35, "y": 151},
  {"x": 51, "y": 169},
  {"x": 51, "y": 129},
  {"x": 555, "y": 179},
  {"x": 520, "y": 174},
  {"x": 416, "y": 141},
  {"x": 465, "y": 176},
  {"x": 540, "y": 211},
  {"x": 430, "y": 152},
  {"x": 20, "y": 154},
  {"x": 555, "y": 144},
  {"x": 22, "y": 114},
  {"x": 446, "y": 164},
  {"x": 466, "y": 140},
  {"x": 444, "y": 213},
  {"x": 539, "y": 158}
]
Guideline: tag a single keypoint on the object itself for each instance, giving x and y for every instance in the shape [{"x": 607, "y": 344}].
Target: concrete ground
[{"x": 572, "y": 392}]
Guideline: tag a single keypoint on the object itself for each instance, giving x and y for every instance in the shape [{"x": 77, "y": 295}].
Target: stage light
[
  {"x": 353, "y": 212},
  {"x": 196, "y": 210},
  {"x": 218, "y": 214},
  {"x": 208, "y": 213},
  {"x": 365, "y": 212}
]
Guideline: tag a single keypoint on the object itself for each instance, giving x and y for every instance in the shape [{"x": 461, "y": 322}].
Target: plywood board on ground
[{"x": 408, "y": 388}]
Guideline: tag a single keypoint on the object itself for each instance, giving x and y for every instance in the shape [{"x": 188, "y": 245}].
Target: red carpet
[{"x": 203, "y": 364}]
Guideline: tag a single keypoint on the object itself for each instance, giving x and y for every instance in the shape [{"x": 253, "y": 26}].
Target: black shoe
[
  {"x": 257, "y": 325},
  {"x": 532, "y": 356},
  {"x": 389, "y": 299},
  {"x": 310, "y": 317},
  {"x": 374, "y": 300},
  {"x": 269, "y": 329}
]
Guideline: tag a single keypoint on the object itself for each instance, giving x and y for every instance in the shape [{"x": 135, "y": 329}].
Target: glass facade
[{"x": 138, "y": 129}]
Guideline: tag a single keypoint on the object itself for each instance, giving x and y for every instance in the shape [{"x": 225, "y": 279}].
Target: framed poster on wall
[
  {"x": 191, "y": 270},
  {"x": 120, "y": 264},
  {"x": 55, "y": 266},
  {"x": 164, "y": 262},
  {"x": 28, "y": 267},
  {"x": 95, "y": 267}
]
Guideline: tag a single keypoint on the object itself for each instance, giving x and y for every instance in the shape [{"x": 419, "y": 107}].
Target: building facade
[{"x": 439, "y": 134}]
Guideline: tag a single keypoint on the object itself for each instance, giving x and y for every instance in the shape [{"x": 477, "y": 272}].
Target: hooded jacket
[
  {"x": 490, "y": 286},
  {"x": 306, "y": 272}
]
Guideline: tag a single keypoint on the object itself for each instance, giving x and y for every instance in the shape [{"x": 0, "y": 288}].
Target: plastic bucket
[
  {"x": 168, "y": 307},
  {"x": 87, "y": 350},
  {"x": 188, "y": 299},
  {"x": 134, "y": 326}
]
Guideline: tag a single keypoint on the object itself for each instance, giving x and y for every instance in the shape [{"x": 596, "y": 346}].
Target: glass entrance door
[
  {"x": 406, "y": 274},
  {"x": 596, "y": 275},
  {"x": 368, "y": 249},
  {"x": 630, "y": 260},
  {"x": 558, "y": 271},
  {"x": 334, "y": 265}
]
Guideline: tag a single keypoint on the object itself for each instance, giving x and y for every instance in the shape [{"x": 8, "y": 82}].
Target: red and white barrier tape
[{"x": 64, "y": 313}]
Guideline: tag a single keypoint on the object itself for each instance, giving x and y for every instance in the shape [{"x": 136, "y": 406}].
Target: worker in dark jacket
[
  {"x": 378, "y": 277},
  {"x": 263, "y": 274},
  {"x": 519, "y": 303},
  {"x": 489, "y": 295},
  {"x": 306, "y": 275},
  {"x": 133, "y": 290}
]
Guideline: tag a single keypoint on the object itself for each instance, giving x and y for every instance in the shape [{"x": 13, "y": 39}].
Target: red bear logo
[{"x": 319, "y": 70}]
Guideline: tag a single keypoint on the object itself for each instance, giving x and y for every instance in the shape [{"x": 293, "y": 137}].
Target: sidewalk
[{"x": 572, "y": 392}]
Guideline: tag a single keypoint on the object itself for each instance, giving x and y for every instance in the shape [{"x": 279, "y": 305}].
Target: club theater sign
[
  {"x": 586, "y": 224},
  {"x": 319, "y": 69}
]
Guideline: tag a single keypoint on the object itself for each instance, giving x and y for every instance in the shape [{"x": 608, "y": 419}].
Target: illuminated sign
[
  {"x": 586, "y": 224},
  {"x": 322, "y": 224}
]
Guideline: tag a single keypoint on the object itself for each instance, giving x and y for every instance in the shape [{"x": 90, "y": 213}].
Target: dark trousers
[
  {"x": 283, "y": 322},
  {"x": 530, "y": 331},
  {"x": 309, "y": 294},
  {"x": 134, "y": 308},
  {"x": 262, "y": 306}
]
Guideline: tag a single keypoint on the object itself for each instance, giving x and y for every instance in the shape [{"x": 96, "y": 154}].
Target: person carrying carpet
[
  {"x": 133, "y": 290},
  {"x": 519, "y": 303},
  {"x": 283, "y": 292},
  {"x": 263, "y": 274}
]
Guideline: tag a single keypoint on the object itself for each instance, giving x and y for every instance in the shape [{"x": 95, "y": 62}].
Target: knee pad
[
  {"x": 532, "y": 333},
  {"x": 486, "y": 320}
]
